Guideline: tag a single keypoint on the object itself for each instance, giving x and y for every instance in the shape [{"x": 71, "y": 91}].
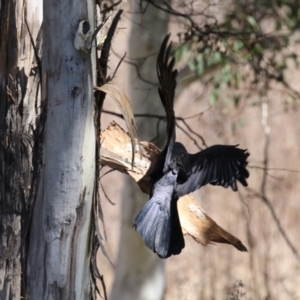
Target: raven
[{"x": 177, "y": 173}]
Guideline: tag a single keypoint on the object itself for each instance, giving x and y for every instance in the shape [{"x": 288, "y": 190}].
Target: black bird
[{"x": 177, "y": 173}]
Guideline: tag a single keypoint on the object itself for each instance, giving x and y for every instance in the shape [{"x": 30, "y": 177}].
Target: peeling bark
[{"x": 20, "y": 130}]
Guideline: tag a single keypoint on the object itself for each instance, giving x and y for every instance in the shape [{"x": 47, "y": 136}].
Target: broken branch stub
[{"x": 117, "y": 154}]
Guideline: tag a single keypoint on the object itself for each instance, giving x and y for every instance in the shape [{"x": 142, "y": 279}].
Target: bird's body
[
  {"x": 178, "y": 173},
  {"x": 158, "y": 221}
]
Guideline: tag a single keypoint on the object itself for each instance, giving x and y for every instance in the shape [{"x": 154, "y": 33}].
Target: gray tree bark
[
  {"x": 58, "y": 260},
  {"x": 20, "y": 127},
  {"x": 139, "y": 273}
]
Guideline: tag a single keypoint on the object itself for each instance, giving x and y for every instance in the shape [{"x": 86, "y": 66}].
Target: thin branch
[
  {"x": 277, "y": 221},
  {"x": 119, "y": 63},
  {"x": 188, "y": 134},
  {"x": 173, "y": 12},
  {"x": 157, "y": 131},
  {"x": 112, "y": 7},
  {"x": 36, "y": 55},
  {"x": 163, "y": 117},
  {"x": 105, "y": 194},
  {"x": 137, "y": 67},
  {"x": 274, "y": 169},
  {"x": 109, "y": 171},
  {"x": 262, "y": 194},
  {"x": 192, "y": 131}
]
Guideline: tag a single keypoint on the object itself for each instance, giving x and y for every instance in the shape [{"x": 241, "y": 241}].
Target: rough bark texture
[
  {"x": 58, "y": 260},
  {"x": 20, "y": 130},
  {"x": 140, "y": 273}
]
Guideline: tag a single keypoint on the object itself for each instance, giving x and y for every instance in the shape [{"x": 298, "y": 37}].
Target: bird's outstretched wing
[
  {"x": 167, "y": 81},
  {"x": 217, "y": 165}
]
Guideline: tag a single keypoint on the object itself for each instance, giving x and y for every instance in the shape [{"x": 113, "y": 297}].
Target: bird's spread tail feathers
[{"x": 159, "y": 227}]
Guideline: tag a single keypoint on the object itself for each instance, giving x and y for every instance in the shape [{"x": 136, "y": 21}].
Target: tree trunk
[
  {"x": 20, "y": 128},
  {"x": 139, "y": 272},
  {"x": 58, "y": 260}
]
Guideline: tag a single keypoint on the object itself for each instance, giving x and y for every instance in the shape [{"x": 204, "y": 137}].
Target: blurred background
[{"x": 238, "y": 83}]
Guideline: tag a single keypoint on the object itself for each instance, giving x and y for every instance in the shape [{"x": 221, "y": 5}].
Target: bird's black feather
[
  {"x": 158, "y": 221},
  {"x": 218, "y": 165}
]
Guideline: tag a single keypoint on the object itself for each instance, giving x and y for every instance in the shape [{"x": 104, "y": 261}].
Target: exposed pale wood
[{"x": 194, "y": 221}]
